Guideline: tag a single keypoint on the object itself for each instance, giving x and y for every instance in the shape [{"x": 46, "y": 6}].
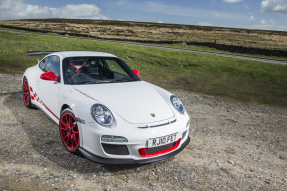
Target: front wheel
[{"x": 69, "y": 131}]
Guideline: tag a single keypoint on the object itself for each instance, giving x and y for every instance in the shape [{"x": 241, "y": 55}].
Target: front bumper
[{"x": 103, "y": 160}]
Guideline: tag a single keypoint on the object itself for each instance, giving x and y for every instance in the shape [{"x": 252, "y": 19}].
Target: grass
[
  {"x": 242, "y": 80},
  {"x": 180, "y": 45},
  {"x": 205, "y": 48},
  {"x": 160, "y": 31}
]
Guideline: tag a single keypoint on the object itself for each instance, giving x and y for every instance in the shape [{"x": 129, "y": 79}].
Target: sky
[{"x": 251, "y": 14}]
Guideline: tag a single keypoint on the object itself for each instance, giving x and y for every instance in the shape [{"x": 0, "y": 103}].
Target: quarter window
[
  {"x": 43, "y": 64},
  {"x": 51, "y": 64}
]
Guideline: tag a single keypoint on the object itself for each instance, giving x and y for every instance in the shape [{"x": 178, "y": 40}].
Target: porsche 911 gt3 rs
[{"x": 103, "y": 109}]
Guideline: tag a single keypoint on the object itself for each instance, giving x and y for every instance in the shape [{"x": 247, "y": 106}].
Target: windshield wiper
[
  {"x": 111, "y": 81},
  {"x": 127, "y": 80},
  {"x": 100, "y": 82}
]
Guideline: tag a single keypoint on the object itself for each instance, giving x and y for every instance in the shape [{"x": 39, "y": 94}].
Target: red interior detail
[
  {"x": 49, "y": 76},
  {"x": 69, "y": 131},
  {"x": 142, "y": 151},
  {"x": 26, "y": 53},
  {"x": 78, "y": 70},
  {"x": 136, "y": 72}
]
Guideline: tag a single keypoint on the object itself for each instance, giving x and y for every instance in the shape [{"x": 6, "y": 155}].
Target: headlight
[
  {"x": 177, "y": 104},
  {"x": 102, "y": 115}
]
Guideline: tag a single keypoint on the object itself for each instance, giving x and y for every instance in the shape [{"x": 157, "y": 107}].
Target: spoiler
[{"x": 38, "y": 53}]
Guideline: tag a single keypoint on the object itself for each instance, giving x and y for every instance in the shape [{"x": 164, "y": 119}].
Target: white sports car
[{"x": 103, "y": 109}]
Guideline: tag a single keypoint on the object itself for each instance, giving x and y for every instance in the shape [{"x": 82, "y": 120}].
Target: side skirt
[{"x": 33, "y": 105}]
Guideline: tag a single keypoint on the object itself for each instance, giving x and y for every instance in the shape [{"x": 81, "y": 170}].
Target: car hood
[{"x": 136, "y": 102}]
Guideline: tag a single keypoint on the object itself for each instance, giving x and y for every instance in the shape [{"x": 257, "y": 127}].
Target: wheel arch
[{"x": 71, "y": 106}]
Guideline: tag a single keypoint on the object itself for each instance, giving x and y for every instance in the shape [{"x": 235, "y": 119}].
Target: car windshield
[{"x": 92, "y": 70}]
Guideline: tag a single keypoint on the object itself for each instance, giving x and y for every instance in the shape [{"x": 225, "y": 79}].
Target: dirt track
[{"x": 233, "y": 147}]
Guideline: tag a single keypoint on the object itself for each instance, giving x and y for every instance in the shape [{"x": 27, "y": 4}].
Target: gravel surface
[{"x": 233, "y": 147}]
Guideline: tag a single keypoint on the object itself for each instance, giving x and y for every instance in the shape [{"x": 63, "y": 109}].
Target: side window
[
  {"x": 43, "y": 64},
  {"x": 53, "y": 65}
]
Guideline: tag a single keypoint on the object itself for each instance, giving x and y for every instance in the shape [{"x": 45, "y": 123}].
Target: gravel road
[{"x": 233, "y": 146}]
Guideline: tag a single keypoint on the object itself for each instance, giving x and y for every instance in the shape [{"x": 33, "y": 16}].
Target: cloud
[
  {"x": 16, "y": 9},
  {"x": 208, "y": 23},
  {"x": 159, "y": 7},
  {"x": 160, "y": 21},
  {"x": 232, "y": 1},
  {"x": 275, "y": 6},
  {"x": 251, "y": 17},
  {"x": 269, "y": 22},
  {"x": 121, "y": 2}
]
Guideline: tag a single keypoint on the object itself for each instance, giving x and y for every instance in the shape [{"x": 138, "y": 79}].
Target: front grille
[
  {"x": 115, "y": 149},
  {"x": 157, "y": 149},
  {"x": 154, "y": 151}
]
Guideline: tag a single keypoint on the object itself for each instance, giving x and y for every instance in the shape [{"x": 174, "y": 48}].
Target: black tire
[
  {"x": 69, "y": 131},
  {"x": 26, "y": 93}
]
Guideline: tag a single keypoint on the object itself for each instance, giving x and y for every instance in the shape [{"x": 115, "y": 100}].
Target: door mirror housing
[
  {"x": 50, "y": 76},
  {"x": 136, "y": 72}
]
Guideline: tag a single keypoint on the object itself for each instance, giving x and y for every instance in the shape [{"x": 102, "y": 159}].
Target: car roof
[{"x": 83, "y": 53}]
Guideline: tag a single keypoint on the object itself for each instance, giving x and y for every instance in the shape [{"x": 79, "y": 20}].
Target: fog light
[{"x": 111, "y": 138}]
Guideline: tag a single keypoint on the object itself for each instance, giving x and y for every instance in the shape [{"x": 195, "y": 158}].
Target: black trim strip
[
  {"x": 33, "y": 105},
  {"x": 103, "y": 160},
  {"x": 37, "y": 53}
]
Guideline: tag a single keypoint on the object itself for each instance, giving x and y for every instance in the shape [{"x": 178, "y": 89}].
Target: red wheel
[
  {"x": 69, "y": 131},
  {"x": 26, "y": 93}
]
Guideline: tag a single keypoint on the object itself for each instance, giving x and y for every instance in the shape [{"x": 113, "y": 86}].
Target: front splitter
[{"x": 104, "y": 160}]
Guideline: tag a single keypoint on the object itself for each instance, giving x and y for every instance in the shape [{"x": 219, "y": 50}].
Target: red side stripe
[
  {"x": 50, "y": 110},
  {"x": 37, "y": 98},
  {"x": 87, "y": 95}
]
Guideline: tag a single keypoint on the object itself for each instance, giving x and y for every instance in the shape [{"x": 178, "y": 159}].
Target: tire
[
  {"x": 26, "y": 93},
  {"x": 69, "y": 131}
]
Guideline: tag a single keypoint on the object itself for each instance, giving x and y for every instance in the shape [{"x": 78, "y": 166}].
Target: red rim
[
  {"x": 69, "y": 131},
  {"x": 25, "y": 92}
]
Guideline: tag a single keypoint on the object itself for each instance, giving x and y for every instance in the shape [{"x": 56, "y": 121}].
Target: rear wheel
[
  {"x": 26, "y": 93},
  {"x": 69, "y": 131}
]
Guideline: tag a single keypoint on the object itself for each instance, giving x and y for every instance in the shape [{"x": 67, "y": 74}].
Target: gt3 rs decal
[{"x": 34, "y": 97}]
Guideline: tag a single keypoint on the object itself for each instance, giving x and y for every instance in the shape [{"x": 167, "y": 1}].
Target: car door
[{"x": 48, "y": 91}]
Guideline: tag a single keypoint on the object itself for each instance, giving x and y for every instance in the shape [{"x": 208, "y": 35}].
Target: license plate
[{"x": 155, "y": 142}]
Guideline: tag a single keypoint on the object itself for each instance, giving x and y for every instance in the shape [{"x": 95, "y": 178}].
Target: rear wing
[{"x": 38, "y": 53}]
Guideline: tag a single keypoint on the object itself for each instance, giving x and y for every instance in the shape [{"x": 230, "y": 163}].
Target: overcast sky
[{"x": 254, "y": 14}]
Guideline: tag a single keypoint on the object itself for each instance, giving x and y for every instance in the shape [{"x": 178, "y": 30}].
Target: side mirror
[
  {"x": 49, "y": 76},
  {"x": 136, "y": 72}
]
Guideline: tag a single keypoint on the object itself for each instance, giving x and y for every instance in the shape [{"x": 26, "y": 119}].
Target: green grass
[
  {"x": 180, "y": 45},
  {"x": 242, "y": 80},
  {"x": 205, "y": 48}
]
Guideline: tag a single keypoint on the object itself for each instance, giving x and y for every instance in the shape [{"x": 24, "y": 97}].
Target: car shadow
[{"x": 44, "y": 137}]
